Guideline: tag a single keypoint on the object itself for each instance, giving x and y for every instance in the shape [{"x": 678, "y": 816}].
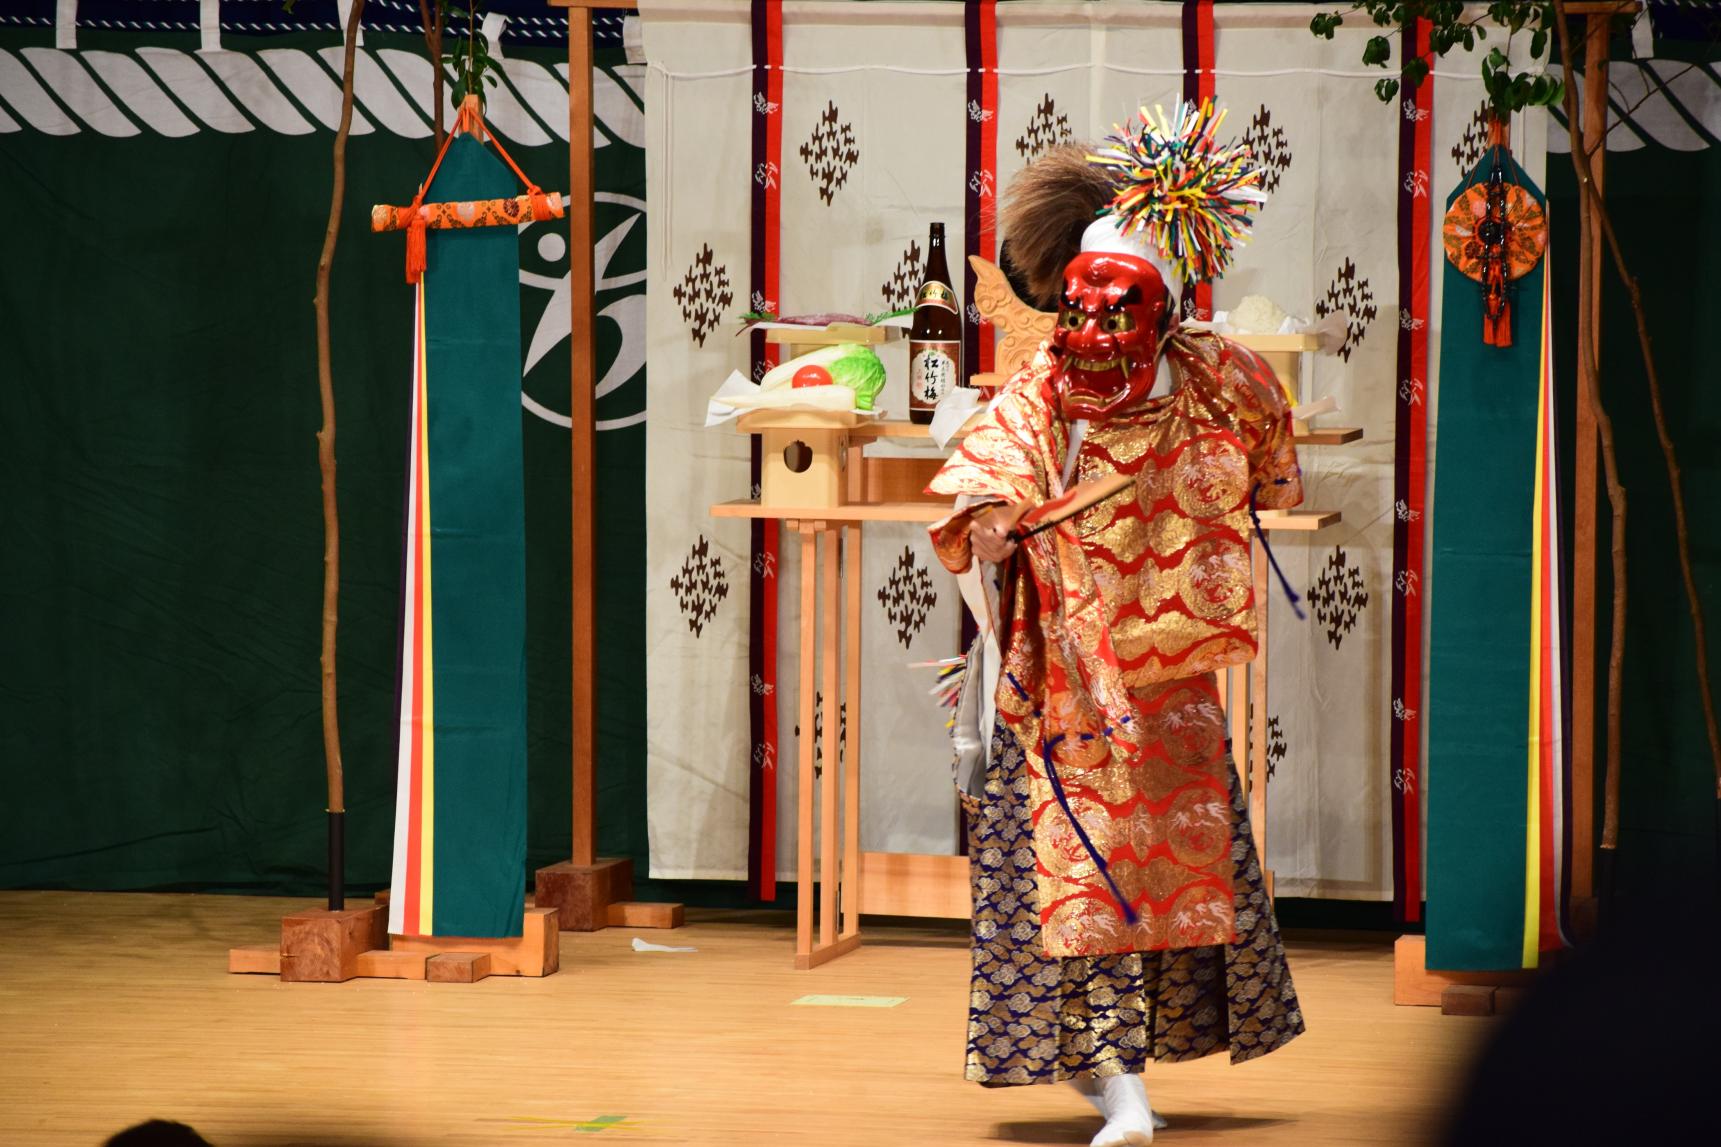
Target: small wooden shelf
[
  {"x": 859, "y": 425},
  {"x": 851, "y": 512},
  {"x": 1307, "y": 520},
  {"x": 1328, "y": 436},
  {"x": 799, "y": 336},
  {"x": 930, "y": 511}
]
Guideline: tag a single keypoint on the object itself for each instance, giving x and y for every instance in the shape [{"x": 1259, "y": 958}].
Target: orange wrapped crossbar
[
  {"x": 469, "y": 213},
  {"x": 418, "y": 216}
]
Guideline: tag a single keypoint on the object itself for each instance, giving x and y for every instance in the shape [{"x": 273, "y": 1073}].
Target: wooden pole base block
[
  {"x": 382, "y": 964},
  {"x": 637, "y": 914},
  {"x": 319, "y": 946},
  {"x": 582, "y": 894},
  {"x": 536, "y": 952},
  {"x": 1467, "y": 1000},
  {"x": 1505, "y": 999},
  {"x": 262, "y": 959},
  {"x": 1414, "y": 984},
  {"x": 457, "y": 967}
]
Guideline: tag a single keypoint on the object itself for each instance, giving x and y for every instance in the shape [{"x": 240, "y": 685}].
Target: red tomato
[{"x": 811, "y": 375}]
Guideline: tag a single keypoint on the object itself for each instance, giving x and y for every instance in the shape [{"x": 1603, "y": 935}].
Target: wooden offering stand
[
  {"x": 819, "y": 481},
  {"x": 320, "y": 946}
]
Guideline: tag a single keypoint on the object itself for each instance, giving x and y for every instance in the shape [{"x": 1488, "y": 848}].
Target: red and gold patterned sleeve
[
  {"x": 1001, "y": 460},
  {"x": 1263, "y": 421}
]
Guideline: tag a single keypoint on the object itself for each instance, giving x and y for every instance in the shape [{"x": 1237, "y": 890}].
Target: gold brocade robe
[{"x": 1116, "y": 620}]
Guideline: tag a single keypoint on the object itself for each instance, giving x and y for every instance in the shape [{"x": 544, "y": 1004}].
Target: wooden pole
[
  {"x": 326, "y": 465},
  {"x": 582, "y": 580},
  {"x": 588, "y": 892},
  {"x": 1591, "y": 135}
]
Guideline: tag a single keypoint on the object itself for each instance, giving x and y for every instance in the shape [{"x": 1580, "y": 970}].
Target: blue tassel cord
[
  {"x": 1046, "y": 748},
  {"x": 1284, "y": 582}
]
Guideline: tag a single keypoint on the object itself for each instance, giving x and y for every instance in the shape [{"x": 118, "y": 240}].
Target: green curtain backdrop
[
  {"x": 1662, "y": 201},
  {"x": 160, "y": 572}
]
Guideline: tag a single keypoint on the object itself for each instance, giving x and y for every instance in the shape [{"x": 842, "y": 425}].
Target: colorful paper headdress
[{"x": 1185, "y": 194}]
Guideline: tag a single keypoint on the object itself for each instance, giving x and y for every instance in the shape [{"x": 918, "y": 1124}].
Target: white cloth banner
[{"x": 890, "y": 80}]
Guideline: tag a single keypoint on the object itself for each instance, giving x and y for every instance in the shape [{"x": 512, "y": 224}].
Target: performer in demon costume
[{"x": 1119, "y": 914}]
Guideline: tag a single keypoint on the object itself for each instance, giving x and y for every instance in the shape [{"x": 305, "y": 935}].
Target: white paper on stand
[
  {"x": 952, "y": 413},
  {"x": 717, "y": 411},
  {"x": 1327, "y": 405},
  {"x": 737, "y": 386}
]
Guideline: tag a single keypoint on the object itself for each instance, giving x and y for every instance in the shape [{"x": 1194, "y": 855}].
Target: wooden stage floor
[{"x": 117, "y": 1008}]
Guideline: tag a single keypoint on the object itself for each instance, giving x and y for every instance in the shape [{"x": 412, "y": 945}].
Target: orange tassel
[
  {"x": 1497, "y": 330},
  {"x": 415, "y": 257}
]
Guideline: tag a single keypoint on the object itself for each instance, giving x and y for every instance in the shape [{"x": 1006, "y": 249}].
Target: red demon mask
[{"x": 1107, "y": 337}]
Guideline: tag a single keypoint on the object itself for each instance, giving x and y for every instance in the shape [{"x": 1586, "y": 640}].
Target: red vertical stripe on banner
[
  {"x": 1550, "y": 791},
  {"x": 1199, "y": 85},
  {"x": 988, "y": 162},
  {"x": 418, "y": 533},
  {"x": 1410, "y": 481},
  {"x": 766, "y": 174},
  {"x": 980, "y": 172},
  {"x": 1421, "y": 240}
]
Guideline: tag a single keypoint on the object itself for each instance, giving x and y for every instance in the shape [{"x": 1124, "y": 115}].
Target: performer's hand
[{"x": 992, "y": 535}]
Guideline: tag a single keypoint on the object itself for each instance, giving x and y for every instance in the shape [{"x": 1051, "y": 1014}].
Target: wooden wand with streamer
[{"x": 1025, "y": 521}]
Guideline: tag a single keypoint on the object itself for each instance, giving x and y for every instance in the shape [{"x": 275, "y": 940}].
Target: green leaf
[
  {"x": 1537, "y": 42},
  {"x": 1377, "y": 52},
  {"x": 1386, "y": 89},
  {"x": 1415, "y": 71},
  {"x": 1496, "y": 58}
]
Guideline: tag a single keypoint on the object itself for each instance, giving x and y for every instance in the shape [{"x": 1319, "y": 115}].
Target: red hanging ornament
[{"x": 1495, "y": 232}]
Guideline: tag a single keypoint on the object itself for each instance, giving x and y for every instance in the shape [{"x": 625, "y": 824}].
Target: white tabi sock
[
  {"x": 1089, "y": 1087},
  {"x": 1128, "y": 1118}
]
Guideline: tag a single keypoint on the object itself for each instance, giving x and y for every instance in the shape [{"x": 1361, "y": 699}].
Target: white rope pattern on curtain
[{"x": 1060, "y": 69}]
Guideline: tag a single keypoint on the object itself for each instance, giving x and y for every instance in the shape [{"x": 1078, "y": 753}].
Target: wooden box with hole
[{"x": 803, "y": 456}]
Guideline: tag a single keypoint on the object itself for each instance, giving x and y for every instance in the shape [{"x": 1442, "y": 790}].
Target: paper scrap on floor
[
  {"x": 849, "y": 1001},
  {"x": 647, "y": 946}
]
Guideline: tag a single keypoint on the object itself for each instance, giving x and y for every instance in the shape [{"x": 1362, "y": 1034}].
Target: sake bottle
[{"x": 935, "y": 339}]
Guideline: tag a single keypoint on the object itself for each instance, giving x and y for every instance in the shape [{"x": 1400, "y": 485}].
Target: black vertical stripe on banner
[
  {"x": 1191, "y": 19},
  {"x": 756, "y": 668},
  {"x": 971, "y": 185},
  {"x": 1192, "y": 51},
  {"x": 1401, "y": 728}
]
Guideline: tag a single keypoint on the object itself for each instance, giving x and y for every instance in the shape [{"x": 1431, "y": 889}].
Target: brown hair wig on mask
[{"x": 1046, "y": 208}]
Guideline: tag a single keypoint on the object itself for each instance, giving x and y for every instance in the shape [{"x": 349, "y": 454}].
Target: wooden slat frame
[
  {"x": 804, "y": 772},
  {"x": 851, "y": 876}
]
